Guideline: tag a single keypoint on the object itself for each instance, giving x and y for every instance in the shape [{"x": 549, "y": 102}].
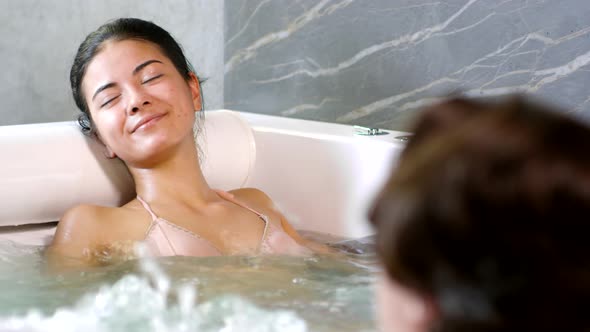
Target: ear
[
  {"x": 195, "y": 88},
  {"x": 107, "y": 152}
]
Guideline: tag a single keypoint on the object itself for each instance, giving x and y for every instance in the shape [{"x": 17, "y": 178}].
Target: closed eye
[
  {"x": 109, "y": 101},
  {"x": 152, "y": 78}
]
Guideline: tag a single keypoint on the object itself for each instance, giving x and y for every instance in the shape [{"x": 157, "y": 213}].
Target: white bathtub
[{"x": 323, "y": 176}]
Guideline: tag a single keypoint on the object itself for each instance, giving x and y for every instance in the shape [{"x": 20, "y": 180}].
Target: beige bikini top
[{"x": 164, "y": 238}]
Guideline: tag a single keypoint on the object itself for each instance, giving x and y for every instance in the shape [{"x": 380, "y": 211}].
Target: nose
[
  {"x": 134, "y": 109},
  {"x": 138, "y": 101}
]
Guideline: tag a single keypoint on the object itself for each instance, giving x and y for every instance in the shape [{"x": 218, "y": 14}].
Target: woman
[
  {"x": 483, "y": 225},
  {"x": 139, "y": 97}
]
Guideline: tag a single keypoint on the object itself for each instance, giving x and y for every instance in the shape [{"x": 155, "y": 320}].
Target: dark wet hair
[
  {"x": 117, "y": 30},
  {"x": 487, "y": 214}
]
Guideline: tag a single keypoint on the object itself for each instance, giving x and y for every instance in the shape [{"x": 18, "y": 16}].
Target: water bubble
[
  {"x": 298, "y": 280},
  {"x": 186, "y": 298}
]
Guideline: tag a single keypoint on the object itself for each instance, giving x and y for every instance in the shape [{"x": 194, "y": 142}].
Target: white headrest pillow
[{"x": 49, "y": 167}]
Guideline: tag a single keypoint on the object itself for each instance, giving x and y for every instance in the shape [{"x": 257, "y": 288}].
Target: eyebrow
[
  {"x": 104, "y": 87},
  {"x": 143, "y": 65},
  {"x": 135, "y": 71}
]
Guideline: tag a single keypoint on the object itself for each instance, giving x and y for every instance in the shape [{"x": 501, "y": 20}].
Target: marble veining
[
  {"x": 413, "y": 38},
  {"x": 314, "y": 13},
  {"x": 536, "y": 79},
  {"x": 377, "y": 63}
]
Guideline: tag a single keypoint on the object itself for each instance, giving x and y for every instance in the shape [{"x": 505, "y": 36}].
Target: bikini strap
[
  {"x": 148, "y": 208},
  {"x": 230, "y": 197}
]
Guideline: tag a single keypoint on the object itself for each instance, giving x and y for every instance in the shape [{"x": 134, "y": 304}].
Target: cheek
[
  {"x": 186, "y": 109},
  {"x": 107, "y": 122},
  {"x": 399, "y": 309},
  {"x": 179, "y": 98}
]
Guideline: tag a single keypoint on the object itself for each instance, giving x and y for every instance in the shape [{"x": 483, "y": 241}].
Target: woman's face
[{"x": 139, "y": 102}]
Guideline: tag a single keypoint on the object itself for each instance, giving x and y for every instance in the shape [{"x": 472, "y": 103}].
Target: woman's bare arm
[{"x": 74, "y": 239}]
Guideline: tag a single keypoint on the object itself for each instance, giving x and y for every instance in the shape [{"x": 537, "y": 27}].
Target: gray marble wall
[
  {"x": 376, "y": 62},
  {"x": 38, "y": 40}
]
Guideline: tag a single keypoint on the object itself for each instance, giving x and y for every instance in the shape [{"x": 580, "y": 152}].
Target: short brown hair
[{"x": 488, "y": 212}]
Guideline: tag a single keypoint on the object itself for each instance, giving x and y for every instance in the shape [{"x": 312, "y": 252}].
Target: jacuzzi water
[{"x": 231, "y": 293}]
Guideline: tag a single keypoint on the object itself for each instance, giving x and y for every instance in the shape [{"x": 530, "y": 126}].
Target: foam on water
[
  {"x": 224, "y": 294},
  {"x": 132, "y": 304}
]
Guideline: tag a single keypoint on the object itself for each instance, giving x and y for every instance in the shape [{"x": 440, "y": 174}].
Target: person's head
[
  {"x": 127, "y": 65},
  {"x": 442, "y": 118},
  {"x": 486, "y": 220}
]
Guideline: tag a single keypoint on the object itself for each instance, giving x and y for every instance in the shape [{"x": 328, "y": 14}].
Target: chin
[{"x": 146, "y": 151}]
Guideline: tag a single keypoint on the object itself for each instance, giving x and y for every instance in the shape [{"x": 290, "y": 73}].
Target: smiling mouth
[{"x": 150, "y": 122}]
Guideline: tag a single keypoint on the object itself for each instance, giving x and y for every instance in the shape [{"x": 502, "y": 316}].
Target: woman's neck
[{"x": 178, "y": 178}]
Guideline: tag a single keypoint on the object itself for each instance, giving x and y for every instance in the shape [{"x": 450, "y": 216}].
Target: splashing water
[
  {"x": 131, "y": 304},
  {"x": 223, "y": 294}
]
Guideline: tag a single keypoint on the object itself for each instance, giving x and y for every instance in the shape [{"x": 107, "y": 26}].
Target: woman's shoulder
[
  {"x": 254, "y": 198},
  {"x": 87, "y": 222},
  {"x": 89, "y": 213},
  {"x": 85, "y": 232},
  {"x": 261, "y": 202},
  {"x": 81, "y": 222}
]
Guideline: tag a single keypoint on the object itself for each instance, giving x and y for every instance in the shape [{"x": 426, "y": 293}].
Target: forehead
[{"x": 118, "y": 58}]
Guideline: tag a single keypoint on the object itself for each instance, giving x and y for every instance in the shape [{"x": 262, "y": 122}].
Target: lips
[{"x": 146, "y": 121}]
